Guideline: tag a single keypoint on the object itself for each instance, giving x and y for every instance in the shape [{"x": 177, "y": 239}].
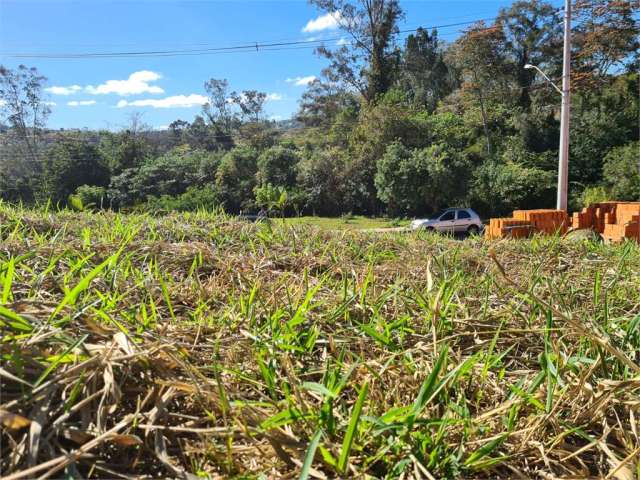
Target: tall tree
[
  {"x": 178, "y": 129},
  {"x": 127, "y": 148},
  {"x": 322, "y": 102},
  {"x": 251, "y": 103},
  {"x": 606, "y": 37},
  {"x": 73, "y": 161},
  {"x": 218, "y": 111},
  {"x": 533, "y": 35},
  {"x": 369, "y": 60},
  {"x": 480, "y": 58},
  {"x": 425, "y": 75},
  {"x": 236, "y": 178},
  {"x": 23, "y": 108}
]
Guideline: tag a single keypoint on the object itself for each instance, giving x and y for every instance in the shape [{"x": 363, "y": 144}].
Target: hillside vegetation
[
  {"x": 399, "y": 123},
  {"x": 193, "y": 345}
]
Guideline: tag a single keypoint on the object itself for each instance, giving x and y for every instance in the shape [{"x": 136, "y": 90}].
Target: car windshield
[{"x": 437, "y": 215}]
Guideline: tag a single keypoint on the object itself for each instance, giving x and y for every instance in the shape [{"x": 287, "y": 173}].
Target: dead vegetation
[{"x": 193, "y": 346}]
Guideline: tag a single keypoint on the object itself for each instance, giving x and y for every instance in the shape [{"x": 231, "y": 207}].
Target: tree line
[{"x": 396, "y": 126}]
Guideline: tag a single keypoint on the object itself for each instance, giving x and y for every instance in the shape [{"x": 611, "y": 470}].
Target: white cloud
[
  {"x": 342, "y": 41},
  {"x": 50, "y": 104},
  {"x": 70, "y": 90},
  {"x": 138, "y": 82},
  {"x": 176, "y": 101},
  {"x": 274, "y": 97},
  {"x": 328, "y": 21},
  {"x": 301, "y": 81},
  {"x": 81, "y": 103},
  {"x": 2, "y": 103}
]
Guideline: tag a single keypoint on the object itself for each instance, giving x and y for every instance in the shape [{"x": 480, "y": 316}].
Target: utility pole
[{"x": 565, "y": 113}]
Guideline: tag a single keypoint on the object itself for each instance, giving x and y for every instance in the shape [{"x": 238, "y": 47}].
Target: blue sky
[{"x": 103, "y": 92}]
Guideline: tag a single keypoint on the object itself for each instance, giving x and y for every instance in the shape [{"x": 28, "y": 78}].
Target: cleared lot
[{"x": 192, "y": 344}]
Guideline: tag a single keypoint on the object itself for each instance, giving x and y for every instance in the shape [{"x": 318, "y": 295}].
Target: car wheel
[{"x": 473, "y": 230}]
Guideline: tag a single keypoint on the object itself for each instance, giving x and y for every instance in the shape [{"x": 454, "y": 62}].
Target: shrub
[
  {"x": 92, "y": 196},
  {"x": 622, "y": 172},
  {"x": 277, "y": 166},
  {"x": 499, "y": 188},
  {"x": 593, "y": 194},
  {"x": 194, "y": 198},
  {"x": 413, "y": 181},
  {"x": 72, "y": 162},
  {"x": 236, "y": 178},
  {"x": 170, "y": 174},
  {"x": 320, "y": 177}
]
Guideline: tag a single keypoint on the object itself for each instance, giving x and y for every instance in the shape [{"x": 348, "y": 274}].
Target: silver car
[{"x": 451, "y": 220}]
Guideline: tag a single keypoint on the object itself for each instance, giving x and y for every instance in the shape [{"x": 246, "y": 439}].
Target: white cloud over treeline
[
  {"x": 301, "y": 81},
  {"x": 137, "y": 83},
  {"x": 175, "y": 101},
  {"x": 329, "y": 21}
]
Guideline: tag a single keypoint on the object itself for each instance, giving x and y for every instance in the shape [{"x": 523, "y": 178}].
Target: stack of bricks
[
  {"x": 616, "y": 221},
  {"x": 595, "y": 216},
  {"x": 504, "y": 227},
  {"x": 525, "y": 222},
  {"x": 545, "y": 221}
]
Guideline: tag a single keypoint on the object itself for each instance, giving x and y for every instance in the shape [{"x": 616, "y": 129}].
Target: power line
[
  {"x": 250, "y": 47},
  {"x": 200, "y": 43},
  {"x": 255, "y": 47}
]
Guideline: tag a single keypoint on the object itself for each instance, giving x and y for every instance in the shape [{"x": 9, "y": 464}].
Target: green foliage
[
  {"x": 271, "y": 198},
  {"x": 170, "y": 174},
  {"x": 390, "y": 128},
  {"x": 71, "y": 162},
  {"x": 425, "y": 75},
  {"x": 320, "y": 177},
  {"x": 377, "y": 128},
  {"x": 421, "y": 180},
  {"x": 122, "y": 150},
  {"x": 236, "y": 178},
  {"x": 622, "y": 172},
  {"x": 593, "y": 134},
  {"x": 23, "y": 116},
  {"x": 538, "y": 130},
  {"x": 193, "y": 199},
  {"x": 532, "y": 34},
  {"x": 123, "y": 189},
  {"x": 593, "y": 194},
  {"x": 92, "y": 196},
  {"x": 447, "y": 128},
  {"x": 499, "y": 188},
  {"x": 277, "y": 166}
]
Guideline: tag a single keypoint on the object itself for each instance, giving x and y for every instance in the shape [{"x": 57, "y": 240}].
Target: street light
[
  {"x": 563, "y": 154},
  {"x": 528, "y": 66}
]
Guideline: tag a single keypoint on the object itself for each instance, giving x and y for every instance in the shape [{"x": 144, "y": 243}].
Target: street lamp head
[{"x": 528, "y": 66}]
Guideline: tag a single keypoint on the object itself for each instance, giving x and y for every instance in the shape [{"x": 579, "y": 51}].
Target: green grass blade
[
  {"x": 8, "y": 281},
  {"x": 347, "y": 443},
  {"x": 15, "y": 321},
  {"x": 72, "y": 296},
  {"x": 310, "y": 455},
  {"x": 427, "y": 388},
  {"x": 485, "y": 450},
  {"x": 58, "y": 359},
  {"x": 318, "y": 388}
]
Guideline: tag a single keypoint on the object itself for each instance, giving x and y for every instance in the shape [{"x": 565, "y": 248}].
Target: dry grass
[{"x": 193, "y": 346}]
